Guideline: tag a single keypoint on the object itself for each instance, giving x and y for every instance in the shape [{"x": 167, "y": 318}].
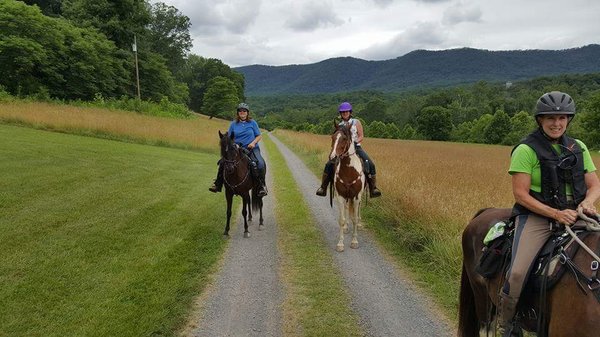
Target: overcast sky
[{"x": 280, "y": 32}]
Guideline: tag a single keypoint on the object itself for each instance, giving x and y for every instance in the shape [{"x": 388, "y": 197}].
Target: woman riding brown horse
[
  {"x": 573, "y": 310},
  {"x": 238, "y": 180}
]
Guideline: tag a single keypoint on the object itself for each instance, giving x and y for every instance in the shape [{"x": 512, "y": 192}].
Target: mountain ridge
[{"x": 418, "y": 69}]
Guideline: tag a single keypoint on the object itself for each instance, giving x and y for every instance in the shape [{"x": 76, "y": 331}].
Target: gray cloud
[
  {"x": 217, "y": 16},
  {"x": 432, "y": 1},
  {"x": 419, "y": 36},
  {"x": 461, "y": 12},
  {"x": 312, "y": 16},
  {"x": 383, "y": 3}
]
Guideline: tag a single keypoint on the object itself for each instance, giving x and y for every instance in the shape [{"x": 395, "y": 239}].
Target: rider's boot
[
  {"x": 322, "y": 191},
  {"x": 218, "y": 183},
  {"x": 373, "y": 190},
  {"x": 259, "y": 177},
  {"x": 262, "y": 190},
  {"x": 506, "y": 314}
]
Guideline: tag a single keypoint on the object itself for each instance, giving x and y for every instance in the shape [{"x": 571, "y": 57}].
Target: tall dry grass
[
  {"x": 430, "y": 192},
  {"x": 431, "y": 181},
  {"x": 195, "y": 133}
]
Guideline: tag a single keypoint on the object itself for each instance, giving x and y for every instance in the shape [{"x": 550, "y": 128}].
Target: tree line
[
  {"x": 483, "y": 112},
  {"x": 82, "y": 50}
]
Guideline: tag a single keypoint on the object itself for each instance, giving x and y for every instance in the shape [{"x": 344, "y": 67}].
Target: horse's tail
[
  {"x": 468, "y": 322},
  {"x": 256, "y": 201}
]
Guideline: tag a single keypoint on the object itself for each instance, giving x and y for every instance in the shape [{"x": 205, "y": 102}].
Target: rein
[
  {"x": 592, "y": 226},
  {"x": 230, "y": 165}
]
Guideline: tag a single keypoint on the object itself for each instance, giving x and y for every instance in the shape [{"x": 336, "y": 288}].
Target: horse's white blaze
[{"x": 334, "y": 147}]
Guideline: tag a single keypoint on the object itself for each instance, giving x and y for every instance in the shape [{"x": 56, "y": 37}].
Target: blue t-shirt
[{"x": 244, "y": 132}]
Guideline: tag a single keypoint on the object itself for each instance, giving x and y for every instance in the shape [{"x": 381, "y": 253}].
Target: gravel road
[
  {"x": 385, "y": 302},
  {"x": 246, "y": 297}
]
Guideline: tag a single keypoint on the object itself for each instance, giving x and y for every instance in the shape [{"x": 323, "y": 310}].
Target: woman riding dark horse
[
  {"x": 247, "y": 135},
  {"x": 553, "y": 176},
  {"x": 345, "y": 110},
  {"x": 239, "y": 181}
]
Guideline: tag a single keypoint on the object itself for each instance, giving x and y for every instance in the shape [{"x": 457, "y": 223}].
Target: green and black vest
[{"x": 558, "y": 170}]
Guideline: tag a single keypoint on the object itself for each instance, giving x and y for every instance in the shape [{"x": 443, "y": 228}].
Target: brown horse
[
  {"x": 570, "y": 310},
  {"x": 348, "y": 182},
  {"x": 238, "y": 180}
]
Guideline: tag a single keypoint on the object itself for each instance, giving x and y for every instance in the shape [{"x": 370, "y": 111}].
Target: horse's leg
[
  {"x": 246, "y": 201},
  {"x": 249, "y": 208},
  {"x": 260, "y": 223},
  {"x": 229, "y": 198},
  {"x": 354, "y": 207},
  {"x": 342, "y": 222}
]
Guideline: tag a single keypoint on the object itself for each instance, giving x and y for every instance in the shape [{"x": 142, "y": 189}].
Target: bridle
[{"x": 229, "y": 165}]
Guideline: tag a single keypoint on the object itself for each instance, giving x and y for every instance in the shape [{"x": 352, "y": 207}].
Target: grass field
[
  {"x": 430, "y": 191},
  {"x": 102, "y": 238}
]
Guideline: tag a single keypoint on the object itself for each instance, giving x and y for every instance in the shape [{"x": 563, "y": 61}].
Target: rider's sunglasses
[{"x": 242, "y": 110}]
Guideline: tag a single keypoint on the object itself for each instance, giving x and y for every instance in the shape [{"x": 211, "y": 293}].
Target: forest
[
  {"x": 83, "y": 50},
  {"x": 483, "y": 112}
]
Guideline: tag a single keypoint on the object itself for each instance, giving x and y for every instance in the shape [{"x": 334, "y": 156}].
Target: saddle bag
[{"x": 494, "y": 256}]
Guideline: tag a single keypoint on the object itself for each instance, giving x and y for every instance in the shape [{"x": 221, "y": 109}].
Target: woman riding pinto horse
[{"x": 345, "y": 110}]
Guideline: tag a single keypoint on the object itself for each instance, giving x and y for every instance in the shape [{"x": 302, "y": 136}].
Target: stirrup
[
  {"x": 322, "y": 192},
  {"x": 262, "y": 192},
  {"x": 374, "y": 193},
  {"x": 215, "y": 189}
]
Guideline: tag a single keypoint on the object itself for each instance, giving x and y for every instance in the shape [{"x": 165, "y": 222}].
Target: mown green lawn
[{"x": 102, "y": 238}]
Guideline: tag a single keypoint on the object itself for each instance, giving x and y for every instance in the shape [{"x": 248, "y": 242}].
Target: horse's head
[
  {"x": 341, "y": 141},
  {"x": 228, "y": 147}
]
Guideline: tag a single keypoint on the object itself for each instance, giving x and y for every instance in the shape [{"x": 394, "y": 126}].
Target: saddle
[{"x": 551, "y": 261}]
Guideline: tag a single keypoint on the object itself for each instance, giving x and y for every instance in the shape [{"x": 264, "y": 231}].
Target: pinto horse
[
  {"x": 348, "y": 182},
  {"x": 571, "y": 307},
  {"x": 238, "y": 180}
]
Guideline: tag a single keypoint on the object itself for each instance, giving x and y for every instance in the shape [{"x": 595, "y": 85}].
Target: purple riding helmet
[{"x": 345, "y": 107}]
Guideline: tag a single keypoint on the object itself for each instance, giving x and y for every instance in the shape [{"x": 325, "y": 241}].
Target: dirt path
[
  {"x": 246, "y": 297},
  {"x": 385, "y": 302}
]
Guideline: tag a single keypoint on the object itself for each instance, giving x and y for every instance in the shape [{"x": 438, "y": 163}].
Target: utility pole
[{"x": 137, "y": 72}]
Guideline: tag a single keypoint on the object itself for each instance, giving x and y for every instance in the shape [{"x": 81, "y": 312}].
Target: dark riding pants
[{"x": 368, "y": 164}]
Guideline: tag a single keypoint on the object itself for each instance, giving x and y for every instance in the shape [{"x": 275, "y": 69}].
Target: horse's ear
[
  {"x": 220, "y": 134},
  {"x": 231, "y": 135}
]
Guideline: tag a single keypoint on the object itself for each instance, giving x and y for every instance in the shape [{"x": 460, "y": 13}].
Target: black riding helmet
[{"x": 555, "y": 102}]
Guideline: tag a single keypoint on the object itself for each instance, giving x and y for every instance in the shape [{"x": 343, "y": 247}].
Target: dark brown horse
[
  {"x": 238, "y": 180},
  {"x": 348, "y": 183},
  {"x": 570, "y": 310}
]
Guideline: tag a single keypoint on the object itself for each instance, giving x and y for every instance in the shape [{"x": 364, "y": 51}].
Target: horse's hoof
[
  {"x": 261, "y": 227},
  {"x": 354, "y": 245},
  {"x": 339, "y": 248},
  {"x": 246, "y": 234},
  {"x": 225, "y": 236}
]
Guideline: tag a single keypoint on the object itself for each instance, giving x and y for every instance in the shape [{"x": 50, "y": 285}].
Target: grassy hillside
[
  {"x": 102, "y": 238},
  {"x": 197, "y": 133}
]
